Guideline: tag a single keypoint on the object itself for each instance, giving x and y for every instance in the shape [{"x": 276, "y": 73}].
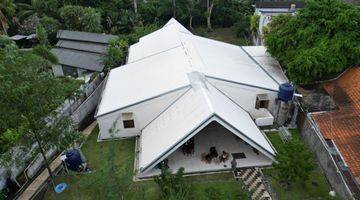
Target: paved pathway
[
  {"x": 251, "y": 177},
  {"x": 36, "y": 184}
]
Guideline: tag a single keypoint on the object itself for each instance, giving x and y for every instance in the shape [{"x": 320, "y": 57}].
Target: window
[
  {"x": 262, "y": 101},
  {"x": 128, "y": 120}
]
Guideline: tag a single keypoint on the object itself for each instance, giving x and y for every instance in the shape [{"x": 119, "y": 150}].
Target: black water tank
[{"x": 286, "y": 92}]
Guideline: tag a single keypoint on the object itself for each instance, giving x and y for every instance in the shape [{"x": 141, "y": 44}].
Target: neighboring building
[
  {"x": 341, "y": 128},
  {"x": 267, "y": 9},
  {"x": 80, "y": 53},
  {"x": 180, "y": 91},
  {"x": 24, "y": 41}
]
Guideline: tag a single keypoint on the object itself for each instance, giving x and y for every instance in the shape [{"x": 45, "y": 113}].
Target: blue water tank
[
  {"x": 286, "y": 92},
  {"x": 73, "y": 159}
]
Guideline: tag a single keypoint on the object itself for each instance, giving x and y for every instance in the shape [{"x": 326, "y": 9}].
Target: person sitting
[
  {"x": 224, "y": 156},
  {"x": 213, "y": 152}
]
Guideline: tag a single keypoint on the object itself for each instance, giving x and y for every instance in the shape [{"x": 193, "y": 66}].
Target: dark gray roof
[
  {"x": 79, "y": 59},
  {"x": 83, "y": 46},
  {"x": 278, "y": 4},
  {"x": 85, "y": 36}
]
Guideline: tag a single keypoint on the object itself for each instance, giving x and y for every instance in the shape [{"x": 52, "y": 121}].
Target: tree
[
  {"x": 116, "y": 53},
  {"x": 51, "y": 26},
  {"x": 254, "y": 24},
  {"x": 38, "y": 8},
  {"x": 41, "y": 35},
  {"x": 190, "y": 6},
  {"x": 135, "y": 6},
  {"x": 79, "y": 18},
  {"x": 112, "y": 180},
  {"x": 28, "y": 87},
  {"x": 173, "y": 186},
  {"x": 7, "y": 11},
  {"x": 317, "y": 43},
  {"x": 33, "y": 94},
  {"x": 209, "y": 9},
  {"x": 60, "y": 132},
  {"x": 294, "y": 162}
]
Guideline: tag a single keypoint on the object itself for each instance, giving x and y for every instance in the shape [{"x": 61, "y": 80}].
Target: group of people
[{"x": 214, "y": 155}]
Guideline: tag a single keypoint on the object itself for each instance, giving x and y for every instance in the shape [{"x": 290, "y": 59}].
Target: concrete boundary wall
[{"x": 314, "y": 140}]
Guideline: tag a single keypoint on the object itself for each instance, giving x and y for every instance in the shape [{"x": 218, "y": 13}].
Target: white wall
[
  {"x": 245, "y": 96},
  {"x": 143, "y": 114},
  {"x": 57, "y": 70}
]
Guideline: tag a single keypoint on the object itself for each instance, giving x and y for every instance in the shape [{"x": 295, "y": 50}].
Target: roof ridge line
[
  {"x": 240, "y": 83},
  {"x": 177, "y": 99},
  {"x": 145, "y": 100},
  {"x": 228, "y": 97},
  {"x": 258, "y": 64},
  {"x": 160, "y": 52}
]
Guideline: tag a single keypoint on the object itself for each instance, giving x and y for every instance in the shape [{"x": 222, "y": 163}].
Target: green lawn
[
  {"x": 227, "y": 35},
  {"x": 315, "y": 188},
  {"x": 96, "y": 154}
]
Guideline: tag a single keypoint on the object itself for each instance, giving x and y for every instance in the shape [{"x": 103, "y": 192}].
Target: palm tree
[
  {"x": 7, "y": 10},
  {"x": 27, "y": 10}
]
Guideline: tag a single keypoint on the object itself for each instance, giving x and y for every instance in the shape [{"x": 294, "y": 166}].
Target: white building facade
[{"x": 176, "y": 83}]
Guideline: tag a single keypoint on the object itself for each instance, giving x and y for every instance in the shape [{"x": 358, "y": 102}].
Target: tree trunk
[
  {"x": 135, "y": 6},
  {"x": 4, "y": 23},
  {"x": 209, "y": 7},
  {"x": 174, "y": 8},
  {"x": 190, "y": 22},
  {"x": 46, "y": 161}
]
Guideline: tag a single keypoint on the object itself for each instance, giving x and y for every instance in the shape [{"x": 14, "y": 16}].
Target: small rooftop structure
[{"x": 79, "y": 52}]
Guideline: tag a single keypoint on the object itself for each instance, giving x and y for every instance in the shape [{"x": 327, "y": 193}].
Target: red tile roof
[{"x": 343, "y": 125}]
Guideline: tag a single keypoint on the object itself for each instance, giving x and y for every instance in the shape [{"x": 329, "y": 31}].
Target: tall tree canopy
[
  {"x": 80, "y": 18},
  {"x": 28, "y": 92},
  {"x": 318, "y": 42}
]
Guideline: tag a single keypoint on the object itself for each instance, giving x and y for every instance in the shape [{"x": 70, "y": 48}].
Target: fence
[
  {"x": 313, "y": 138},
  {"x": 78, "y": 110},
  {"x": 71, "y": 105}
]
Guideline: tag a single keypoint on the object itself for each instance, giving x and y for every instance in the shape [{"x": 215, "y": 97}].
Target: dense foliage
[
  {"x": 117, "y": 16},
  {"x": 28, "y": 92},
  {"x": 81, "y": 19},
  {"x": 294, "y": 162},
  {"x": 118, "y": 49},
  {"x": 318, "y": 42},
  {"x": 173, "y": 186}
]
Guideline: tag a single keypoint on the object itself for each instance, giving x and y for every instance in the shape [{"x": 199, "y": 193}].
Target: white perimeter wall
[
  {"x": 245, "y": 96},
  {"x": 143, "y": 114}
]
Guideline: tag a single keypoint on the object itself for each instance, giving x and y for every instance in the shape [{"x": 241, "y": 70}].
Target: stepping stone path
[{"x": 251, "y": 177}]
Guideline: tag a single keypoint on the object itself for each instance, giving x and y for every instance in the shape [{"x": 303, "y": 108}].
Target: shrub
[{"x": 80, "y": 18}]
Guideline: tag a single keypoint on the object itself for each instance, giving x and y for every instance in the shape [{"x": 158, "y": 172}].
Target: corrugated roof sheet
[
  {"x": 343, "y": 125},
  {"x": 83, "y": 46},
  {"x": 79, "y": 59},
  {"x": 85, "y": 36}
]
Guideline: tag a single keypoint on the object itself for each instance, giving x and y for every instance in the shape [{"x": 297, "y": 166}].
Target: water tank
[
  {"x": 73, "y": 159},
  {"x": 286, "y": 92}
]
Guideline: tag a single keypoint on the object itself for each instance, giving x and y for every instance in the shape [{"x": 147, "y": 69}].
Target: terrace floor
[{"x": 214, "y": 135}]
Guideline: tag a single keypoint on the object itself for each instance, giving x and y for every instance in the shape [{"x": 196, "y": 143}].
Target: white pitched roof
[
  {"x": 139, "y": 81},
  {"x": 195, "y": 108},
  {"x": 162, "y": 59}
]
